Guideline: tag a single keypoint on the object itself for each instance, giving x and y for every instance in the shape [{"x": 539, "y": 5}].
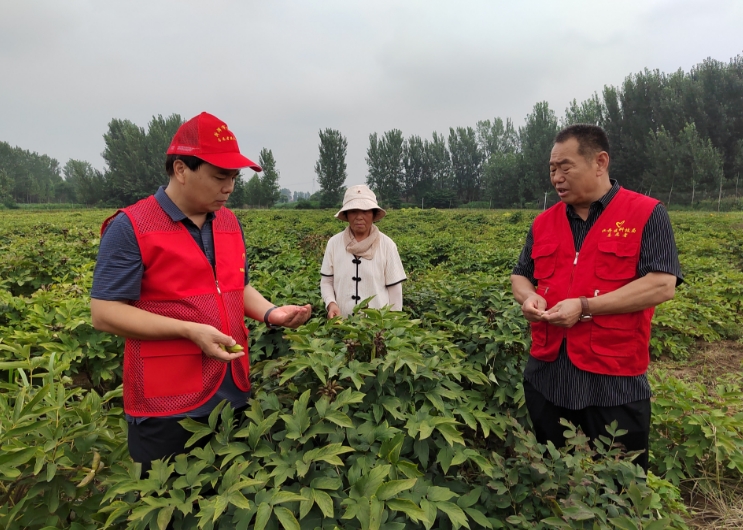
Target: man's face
[
  {"x": 208, "y": 188},
  {"x": 575, "y": 179}
]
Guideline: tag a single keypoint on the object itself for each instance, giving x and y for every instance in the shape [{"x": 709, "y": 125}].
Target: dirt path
[{"x": 709, "y": 362}]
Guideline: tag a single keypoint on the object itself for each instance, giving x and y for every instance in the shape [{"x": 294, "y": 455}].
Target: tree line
[
  {"x": 671, "y": 134},
  {"x": 677, "y": 137},
  {"x": 135, "y": 167}
]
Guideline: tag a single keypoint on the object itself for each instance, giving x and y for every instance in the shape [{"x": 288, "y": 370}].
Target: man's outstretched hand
[{"x": 290, "y": 316}]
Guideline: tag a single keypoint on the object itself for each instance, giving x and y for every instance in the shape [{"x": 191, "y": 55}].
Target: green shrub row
[{"x": 383, "y": 421}]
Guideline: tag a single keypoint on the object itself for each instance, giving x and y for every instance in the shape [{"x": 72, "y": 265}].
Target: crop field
[{"x": 384, "y": 421}]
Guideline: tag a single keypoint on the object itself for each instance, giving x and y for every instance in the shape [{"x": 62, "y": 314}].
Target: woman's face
[{"x": 360, "y": 221}]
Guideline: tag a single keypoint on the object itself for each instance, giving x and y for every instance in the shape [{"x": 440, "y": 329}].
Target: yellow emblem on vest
[{"x": 619, "y": 231}]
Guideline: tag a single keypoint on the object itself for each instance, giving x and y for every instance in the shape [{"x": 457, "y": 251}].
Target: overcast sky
[{"x": 279, "y": 71}]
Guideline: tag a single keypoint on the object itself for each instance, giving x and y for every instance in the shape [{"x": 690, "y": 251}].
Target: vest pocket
[
  {"x": 615, "y": 335},
  {"x": 171, "y": 367},
  {"x": 544, "y": 257},
  {"x": 538, "y": 333},
  {"x": 616, "y": 261}
]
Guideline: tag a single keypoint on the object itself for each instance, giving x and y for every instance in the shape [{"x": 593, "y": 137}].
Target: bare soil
[{"x": 708, "y": 363}]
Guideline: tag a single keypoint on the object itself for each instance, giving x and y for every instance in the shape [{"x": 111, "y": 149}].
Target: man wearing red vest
[
  {"x": 172, "y": 278},
  {"x": 589, "y": 277}
]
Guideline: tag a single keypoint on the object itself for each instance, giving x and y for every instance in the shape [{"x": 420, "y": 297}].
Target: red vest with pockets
[
  {"x": 608, "y": 344},
  {"x": 165, "y": 377}
]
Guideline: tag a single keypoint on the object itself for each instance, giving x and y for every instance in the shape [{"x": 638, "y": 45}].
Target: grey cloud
[{"x": 279, "y": 71}]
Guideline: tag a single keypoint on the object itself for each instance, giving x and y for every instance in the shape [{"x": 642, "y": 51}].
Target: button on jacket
[{"x": 355, "y": 279}]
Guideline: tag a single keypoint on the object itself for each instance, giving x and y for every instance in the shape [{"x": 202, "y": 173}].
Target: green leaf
[
  {"x": 623, "y": 523},
  {"x": 429, "y": 508},
  {"x": 238, "y": 499},
  {"x": 51, "y": 470},
  {"x": 339, "y": 418},
  {"x": 262, "y": 516},
  {"x": 375, "y": 514},
  {"x": 347, "y": 397},
  {"x": 451, "y": 434},
  {"x": 31, "y": 404},
  {"x": 470, "y": 499},
  {"x": 408, "y": 507},
  {"x": 17, "y": 458},
  {"x": 408, "y": 469},
  {"x": 286, "y": 496},
  {"x": 392, "y": 488},
  {"x": 439, "y": 494},
  {"x": 367, "y": 485},
  {"x": 660, "y": 524},
  {"x": 199, "y": 429},
  {"x": 325, "y": 502},
  {"x": 552, "y": 521},
  {"x": 326, "y": 483},
  {"x": 455, "y": 514},
  {"x": 164, "y": 516},
  {"x": 479, "y": 517},
  {"x": 328, "y": 453},
  {"x": 306, "y": 506},
  {"x": 214, "y": 415},
  {"x": 287, "y": 519}
]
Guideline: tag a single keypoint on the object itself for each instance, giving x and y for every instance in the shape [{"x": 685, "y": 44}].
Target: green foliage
[
  {"x": 6, "y": 189},
  {"x": 466, "y": 161},
  {"x": 58, "y": 444},
  {"x": 135, "y": 158},
  {"x": 377, "y": 422},
  {"x": 88, "y": 185},
  {"x": 697, "y": 430},
  {"x": 331, "y": 167},
  {"x": 385, "y": 159},
  {"x": 385, "y": 420},
  {"x": 29, "y": 176}
]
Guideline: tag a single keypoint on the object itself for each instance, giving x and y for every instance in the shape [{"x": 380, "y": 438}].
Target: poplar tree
[
  {"x": 385, "y": 159},
  {"x": 331, "y": 167},
  {"x": 270, "y": 192}
]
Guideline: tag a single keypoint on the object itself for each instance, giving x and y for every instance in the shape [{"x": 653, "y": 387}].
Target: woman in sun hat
[{"x": 361, "y": 261}]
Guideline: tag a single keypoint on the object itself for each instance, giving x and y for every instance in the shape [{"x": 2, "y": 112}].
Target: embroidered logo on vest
[{"x": 619, "y": 231}]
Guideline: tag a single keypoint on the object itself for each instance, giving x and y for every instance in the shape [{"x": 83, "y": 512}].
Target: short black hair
[
  {"x": 592, "y": 139},
  {"x": 192, "y": 162}
]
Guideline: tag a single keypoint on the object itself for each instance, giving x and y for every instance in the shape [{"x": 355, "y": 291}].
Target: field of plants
[{"x": 384, "y": 421}]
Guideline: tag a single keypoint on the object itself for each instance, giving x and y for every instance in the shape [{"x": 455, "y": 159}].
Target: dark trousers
[
  {"x": 633, "y": 417},
  {"x": 156, "y": 438}
]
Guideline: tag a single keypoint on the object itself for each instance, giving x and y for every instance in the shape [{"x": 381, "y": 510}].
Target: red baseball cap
[{"x": 208, "y": 138}]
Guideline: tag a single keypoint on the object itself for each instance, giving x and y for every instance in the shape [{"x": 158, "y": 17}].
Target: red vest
[
  {"x": 608, "y": 344},
  {"x": 165, "y": 377}
]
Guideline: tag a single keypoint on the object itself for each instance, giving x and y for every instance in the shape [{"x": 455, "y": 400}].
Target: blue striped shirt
[{"x": 560, "y": 381}]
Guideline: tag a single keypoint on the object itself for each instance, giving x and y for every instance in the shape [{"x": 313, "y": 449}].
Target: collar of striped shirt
[{"x": 601, "y": 204}]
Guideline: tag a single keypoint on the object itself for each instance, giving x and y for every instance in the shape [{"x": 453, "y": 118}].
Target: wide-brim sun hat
[
  {"x": 360, "y": 197},
  {"x": 208, "y": 138}
]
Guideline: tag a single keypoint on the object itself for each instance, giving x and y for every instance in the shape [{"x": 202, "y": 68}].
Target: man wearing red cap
[{"x": 172, "y": 278}]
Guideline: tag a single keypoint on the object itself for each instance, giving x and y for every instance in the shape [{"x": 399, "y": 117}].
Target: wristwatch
[
  {"x": 585, "y": 312},
  {"x": 265, "y": 319}
]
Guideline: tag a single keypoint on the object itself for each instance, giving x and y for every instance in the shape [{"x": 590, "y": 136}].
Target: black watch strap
[{"x": 265, "y": 319}]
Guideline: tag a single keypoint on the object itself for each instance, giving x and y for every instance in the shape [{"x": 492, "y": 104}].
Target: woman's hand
[{"x": 333, "y": 310}]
